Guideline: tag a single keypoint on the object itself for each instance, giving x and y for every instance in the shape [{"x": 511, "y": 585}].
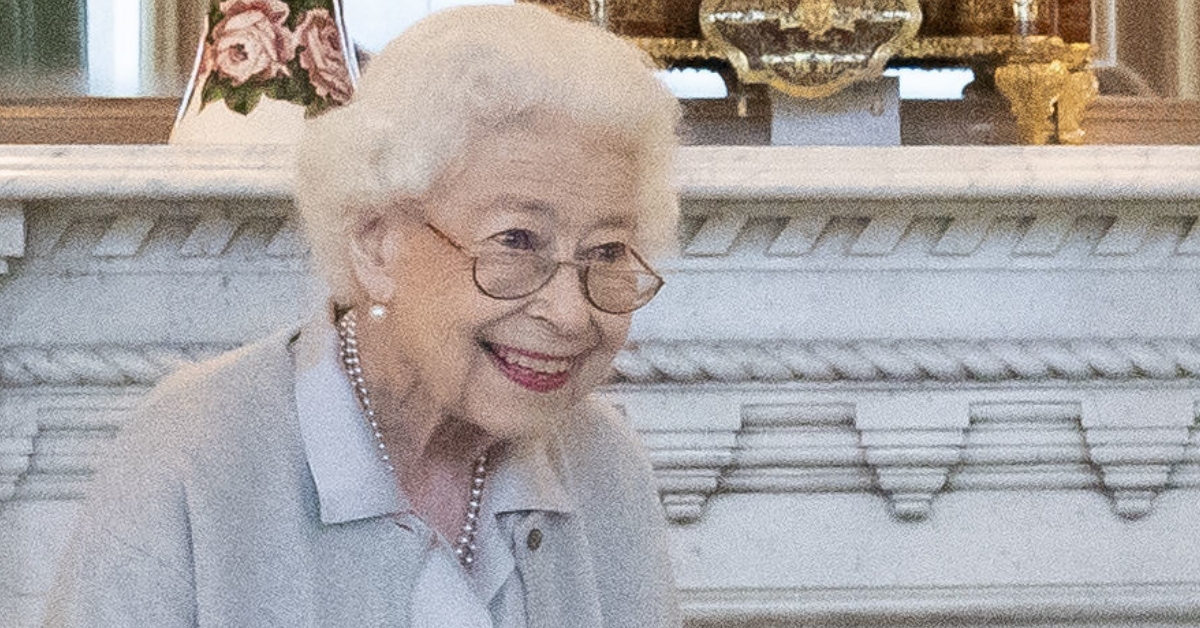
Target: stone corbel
[
  {"x": 691, "y": 442},
  {"x": 1137, "y": 439},
  {"x": 912, "y": 442},
  {"x": 12, "y": 232},
  {"x": 798, "y": 448}
]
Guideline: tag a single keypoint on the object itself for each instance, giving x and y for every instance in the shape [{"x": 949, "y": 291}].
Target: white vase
[{"x": 262, "y": 66}]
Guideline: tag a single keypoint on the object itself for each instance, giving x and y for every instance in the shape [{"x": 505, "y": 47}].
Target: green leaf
[
  {"x": 317, "y": 108},
  {"x": 306, "y": 94},
  {"x": 299, "y": 7},
  {"x": 214, "y": 90},
  {"x": 281, "y": 88},
  {"x": 243, "y": 99},
  {"x": 214, "y": 13}
]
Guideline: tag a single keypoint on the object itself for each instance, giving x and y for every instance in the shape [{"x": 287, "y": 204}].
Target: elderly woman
[{"x": 426, "y": 451}]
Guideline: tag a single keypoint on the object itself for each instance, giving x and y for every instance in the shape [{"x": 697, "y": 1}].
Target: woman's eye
[
  {"x": 607, "y": 253},
  {"x": 516, "y": 239}
]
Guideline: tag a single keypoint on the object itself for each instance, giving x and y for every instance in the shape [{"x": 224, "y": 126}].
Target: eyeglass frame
[{"x": 581, "y": 269}]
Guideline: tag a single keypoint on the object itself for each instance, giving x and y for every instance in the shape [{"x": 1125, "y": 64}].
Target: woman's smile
[{"x": 538, "y": 372}]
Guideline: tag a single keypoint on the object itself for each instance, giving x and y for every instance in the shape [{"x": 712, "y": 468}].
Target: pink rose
[
  {"x": 320, "y": 49},
  {"x": 251, "y": 41}
]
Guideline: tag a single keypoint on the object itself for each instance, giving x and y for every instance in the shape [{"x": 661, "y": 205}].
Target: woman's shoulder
[
  {"x": 604, "y": 451},
  {"x": 598, "y": 428},
  {"x": 222, "y": 377},
  {"x": 616, "y": 492},
  {"x": 220, "y": 399}
]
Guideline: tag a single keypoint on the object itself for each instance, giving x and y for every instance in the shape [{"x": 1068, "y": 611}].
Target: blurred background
[{"x": 112, "y": 71}]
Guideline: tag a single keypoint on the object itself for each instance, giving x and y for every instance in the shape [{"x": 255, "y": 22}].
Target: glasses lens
[
  {"x": 616, "y": 288},
  {"x": 512, "y": 275},
  {"x": 620, "y": 290}
]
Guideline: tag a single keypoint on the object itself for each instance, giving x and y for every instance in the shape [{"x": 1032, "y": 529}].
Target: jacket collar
[{"x": 342, "y": 455}]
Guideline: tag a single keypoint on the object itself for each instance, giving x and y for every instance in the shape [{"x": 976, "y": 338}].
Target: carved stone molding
[
  {"x": 1099, "y": 605},
  {"x": 94, "y": 365},
  {"x": 857, "y": 234},
  {"x": 911, "y": 443},
  {"x": 882, "y": 387},
  {"x": 688, "y": 467},
  {"x": 731, "y": 173},
  {"x": 1130, "y": 444},
  {"x": 787, "y": 448},
  {"x": 160, "y": 172},
  {"x": 673, "y": 362},
  {"x": 131, "y": 236},
  {"x": 741, "y": 173},
  {"x": 690, "y": 449},
  {"x": 910, "y": 361},
  {"x": 1187, "y": 473},
  {"x": 907, "y": 446},
  {"x": 1037, "y": 446},
  {"x": 942, "y": 235},
  {"x": 51, "y": 438},
  {"x": 1137, "y": 442}
]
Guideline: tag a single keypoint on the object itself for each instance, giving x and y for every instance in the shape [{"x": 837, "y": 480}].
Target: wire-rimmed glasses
[{"x": 616, "y": 287}]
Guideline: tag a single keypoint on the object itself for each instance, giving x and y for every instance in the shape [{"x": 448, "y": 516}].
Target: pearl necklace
[{"x": 464, "y": 545}]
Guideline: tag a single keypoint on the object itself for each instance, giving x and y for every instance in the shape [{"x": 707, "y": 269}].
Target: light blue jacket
[{"x": 210, "y": 518}]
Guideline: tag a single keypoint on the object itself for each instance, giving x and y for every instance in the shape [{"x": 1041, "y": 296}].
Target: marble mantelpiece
[{"x": 882, "y": 387}]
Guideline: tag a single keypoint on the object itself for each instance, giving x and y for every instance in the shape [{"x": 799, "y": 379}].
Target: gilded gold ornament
[
  {"x": 809, "y": 48},
  {"x": 1079, "y": 90},
  {"x": 1032, "y": 90}
]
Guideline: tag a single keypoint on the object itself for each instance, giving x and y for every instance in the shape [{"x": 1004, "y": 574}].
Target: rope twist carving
[
  {"x": 909, "y": 361},
  {"x": 93, "y": 365},
  {"x": 655, "y": 362}
]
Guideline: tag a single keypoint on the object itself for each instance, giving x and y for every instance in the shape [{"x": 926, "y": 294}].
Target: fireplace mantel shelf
[{"x": 730, "y": 173}]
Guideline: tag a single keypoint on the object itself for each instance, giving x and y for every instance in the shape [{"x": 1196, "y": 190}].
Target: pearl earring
[{"x": 377, "y": 311}]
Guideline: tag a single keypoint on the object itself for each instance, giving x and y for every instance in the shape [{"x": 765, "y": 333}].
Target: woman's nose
[{"x": 562, "y": 303}]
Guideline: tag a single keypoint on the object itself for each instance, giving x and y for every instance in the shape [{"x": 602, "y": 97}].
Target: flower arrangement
[{"x": 287, "y": 50}]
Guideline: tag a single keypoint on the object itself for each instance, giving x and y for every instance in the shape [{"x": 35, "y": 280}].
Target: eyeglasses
[{"x": 616, "y": 287}]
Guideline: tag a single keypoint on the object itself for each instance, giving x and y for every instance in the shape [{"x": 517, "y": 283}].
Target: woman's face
[{"x": 510, "y": 366}]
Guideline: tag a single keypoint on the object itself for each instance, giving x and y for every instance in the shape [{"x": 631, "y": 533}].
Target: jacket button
[{"x": 534, "y": 540}]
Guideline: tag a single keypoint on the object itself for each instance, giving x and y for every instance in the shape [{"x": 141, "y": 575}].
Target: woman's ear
[{"x": 373, "y": 249}]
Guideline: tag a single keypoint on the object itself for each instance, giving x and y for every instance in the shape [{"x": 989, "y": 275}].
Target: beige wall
[
  {"x": 1189, "y": 46},
  {"x": 1160, "y": 40}
]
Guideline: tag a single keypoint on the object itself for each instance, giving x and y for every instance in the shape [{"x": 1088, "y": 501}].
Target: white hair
[{"x": 466, "y": 69}]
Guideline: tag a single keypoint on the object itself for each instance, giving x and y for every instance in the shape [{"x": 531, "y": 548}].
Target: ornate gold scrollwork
[{"x": 809, "y": 48}]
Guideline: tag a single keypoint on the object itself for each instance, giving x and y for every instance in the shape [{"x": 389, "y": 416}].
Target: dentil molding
[{"x": 880, "y": 235}]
